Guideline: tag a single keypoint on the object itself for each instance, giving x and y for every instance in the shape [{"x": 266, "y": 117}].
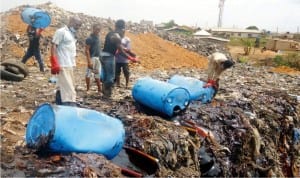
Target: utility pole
[{"x": 221, "y": 8}]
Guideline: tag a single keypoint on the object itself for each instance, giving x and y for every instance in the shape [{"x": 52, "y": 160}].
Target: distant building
[
  {"x": 283, "y": 35},
  {"x": 184, "y": 29},
  {"x": 201, "y": 33},
  {"x": 205, "y": 36},
  {"x": 243, "y": 33},
  {"x": 160, "y": 26},
  {"x": 282, "y": 45},
  {"x": 146, "y": 23}
]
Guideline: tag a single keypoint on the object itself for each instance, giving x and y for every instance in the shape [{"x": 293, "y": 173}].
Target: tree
[
  {"x": 252, "y": 28},
  {"x": 247, "y": 43},
  {"x": 170, "y": 24}
]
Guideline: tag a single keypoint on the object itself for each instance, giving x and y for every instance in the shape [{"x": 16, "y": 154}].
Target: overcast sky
[{"x": 283, "y": 15}]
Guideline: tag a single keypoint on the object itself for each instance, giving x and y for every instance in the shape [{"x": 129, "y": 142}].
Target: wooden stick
[{"x": 131, "y": 173}]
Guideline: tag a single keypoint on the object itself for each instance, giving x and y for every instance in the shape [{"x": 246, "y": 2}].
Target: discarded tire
[
  {"x": 12, "y": 69},
  {"x": 22, "y": 67},
  {"x": 6, "y": 75}
]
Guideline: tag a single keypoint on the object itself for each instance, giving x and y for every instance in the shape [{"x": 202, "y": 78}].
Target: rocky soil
[{"x": 253, "y": 122}]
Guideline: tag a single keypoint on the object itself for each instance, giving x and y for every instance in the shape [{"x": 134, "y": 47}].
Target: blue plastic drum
[
  {"x": 195, "y": 88},
  {"x": 66, "y": 129},
  {"x": 160, "y": 96},
  {"x": 36, "y": 17}
]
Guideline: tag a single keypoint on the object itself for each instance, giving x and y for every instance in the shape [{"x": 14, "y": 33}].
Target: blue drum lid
[
  {"x": 178, "y": 98},
  {"x": 36, "y": 17},
  {"x": 41, "y": 126}
]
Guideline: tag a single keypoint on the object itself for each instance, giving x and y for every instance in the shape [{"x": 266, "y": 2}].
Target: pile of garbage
[
  {"x": 200, "y": 46},
  {"x": 169, "y": 54},
  {"x": 250, "y": 129},
  {"x": 245, "y": 132}
]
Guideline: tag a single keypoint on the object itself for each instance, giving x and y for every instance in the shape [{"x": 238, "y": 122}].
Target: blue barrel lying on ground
[
  {"x": 195, "y": 88},
  {"x": 67, "y": 129},
  {"x": 160, "y": 96},
  {"x": 36, "y": 17}
]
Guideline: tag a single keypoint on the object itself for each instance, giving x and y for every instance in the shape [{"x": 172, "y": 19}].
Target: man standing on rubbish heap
[
  {"x": 34, "y": 35},
  {"x": 92, "y": 52},
  {"x": 63, "y": 51},
  {"x": 112, "y": 44}
]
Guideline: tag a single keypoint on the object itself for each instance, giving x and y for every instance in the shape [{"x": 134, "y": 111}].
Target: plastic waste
[
  {"x": 66, "y": 129},
  {"x": 36, "y": 17},
  {"x": 161, "y": 96},
  {"x": 195, "y": 88},
  {"x": 296, "y": 136},
  {"x": 52, "y": 79}
]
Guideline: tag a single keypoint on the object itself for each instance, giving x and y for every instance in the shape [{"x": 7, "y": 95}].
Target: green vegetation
[
  {"x": 252, "y": 28},
  {"x": 181, "y": 30},
  {"x": 234, "y": 41},
  {"x": 187, "y": 33},
  {"x": 291, "y": 59},
  {"x": 248, "y": 44},
  {"x": 243, "y": 59},
  {"x": 170, "y": 24}
]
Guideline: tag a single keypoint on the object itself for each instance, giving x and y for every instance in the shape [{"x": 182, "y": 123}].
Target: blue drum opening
[{"x": 41, "y": 127}]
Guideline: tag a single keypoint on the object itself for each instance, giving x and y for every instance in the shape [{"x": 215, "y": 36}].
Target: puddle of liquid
[{"x": 133, "y": 161}]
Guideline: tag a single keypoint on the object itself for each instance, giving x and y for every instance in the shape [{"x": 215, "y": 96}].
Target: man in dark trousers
[
  {"x": 112, "y": 44},
  {"x": 122, "y": 62},
  {"x": 34, "y": 35}
]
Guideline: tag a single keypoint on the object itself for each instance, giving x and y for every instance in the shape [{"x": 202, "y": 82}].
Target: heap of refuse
[
  {"x": 251, "y": 128},
  {"x": 58, "y": 15}
]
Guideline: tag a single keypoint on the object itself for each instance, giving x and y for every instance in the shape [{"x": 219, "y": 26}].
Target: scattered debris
[{"x": 253, "y": 119}]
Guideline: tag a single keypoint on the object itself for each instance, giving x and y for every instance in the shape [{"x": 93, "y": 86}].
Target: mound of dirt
[
  {"x": 153, "y": 51},
  {"x": 156, "y": 53}
]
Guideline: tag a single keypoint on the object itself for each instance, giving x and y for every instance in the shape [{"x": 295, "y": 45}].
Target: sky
[{"x": 271, "y": 15}]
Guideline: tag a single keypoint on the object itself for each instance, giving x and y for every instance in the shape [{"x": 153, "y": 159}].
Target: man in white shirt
[{"x": 63, "y": 50}]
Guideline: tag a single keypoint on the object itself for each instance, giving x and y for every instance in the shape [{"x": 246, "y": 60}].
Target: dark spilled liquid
[{"x": 136, "y": 162}]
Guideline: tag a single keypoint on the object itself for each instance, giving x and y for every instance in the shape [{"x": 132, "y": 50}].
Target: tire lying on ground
[
  {"x": 10, "y": 63},
  {"x": 6, "y": 75},
  {"x": 12, "y": 69}
]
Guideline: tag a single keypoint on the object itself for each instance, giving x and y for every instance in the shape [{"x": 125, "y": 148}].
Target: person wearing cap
[
  {"x": 34, "y": 35},
  {"x": 63, "y": 50},
  {"x": 112, "y": 44}
]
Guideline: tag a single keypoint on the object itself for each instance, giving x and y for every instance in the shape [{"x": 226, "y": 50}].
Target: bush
[
  {"x": 289, "y": 59},
  {"x": 243, "y": 59},
  {"x": 294, "y": 60},
  {"x": 278, "y": 60},
  {"x": 234, "y": 41}
]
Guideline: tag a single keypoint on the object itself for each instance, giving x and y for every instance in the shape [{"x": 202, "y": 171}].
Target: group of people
[{"x": 104, "y": 64}]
